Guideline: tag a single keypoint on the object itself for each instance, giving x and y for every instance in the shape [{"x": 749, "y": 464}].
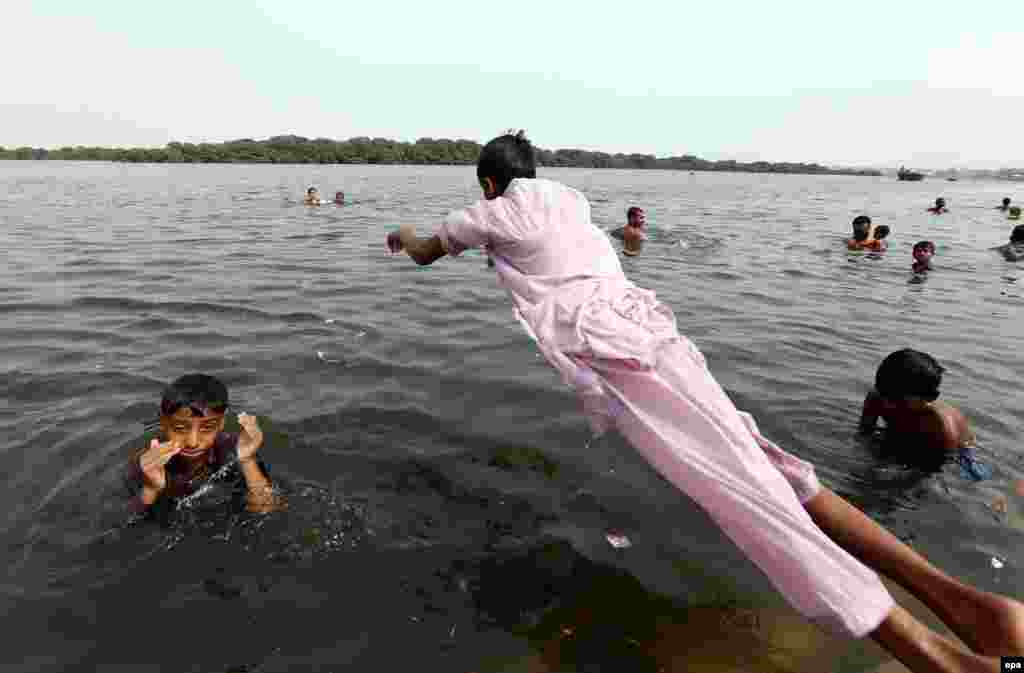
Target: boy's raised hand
[
  {"x": 152, "y": 462},
  {"x": 250, "y": 438}
]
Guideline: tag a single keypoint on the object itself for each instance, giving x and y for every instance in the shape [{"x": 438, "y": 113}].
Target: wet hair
[
  {"x": 203, "y": 395},
  {"x": 311, "y": 190},
  {"x": 908, "y": 373},
  {"x": 861, "y": 227},
  {"x": 881, "y": 231},
  {"x": 1006, "y": 201},
  {"x": 1018, "y": 234},
  {"x": 940, "y": 202},
  {"x": 506, "y": 158},
  {"x": 924, "y": 245},
  {"x": 633, "y": 210}
]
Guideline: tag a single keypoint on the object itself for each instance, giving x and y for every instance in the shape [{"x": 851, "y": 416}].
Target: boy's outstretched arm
[{"x": 423, "y": 251}]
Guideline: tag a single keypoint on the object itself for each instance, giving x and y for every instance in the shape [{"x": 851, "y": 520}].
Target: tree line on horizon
[{"x": 291, "y": 149}]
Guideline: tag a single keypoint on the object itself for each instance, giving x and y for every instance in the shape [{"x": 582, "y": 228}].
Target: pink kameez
[{"x": 619, "y": 347}]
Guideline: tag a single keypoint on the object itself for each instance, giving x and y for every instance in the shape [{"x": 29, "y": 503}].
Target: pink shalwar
[{"x": 619, "y": 347}]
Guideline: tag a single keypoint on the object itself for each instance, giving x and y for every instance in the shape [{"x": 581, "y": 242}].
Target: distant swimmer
[
  {"x": 861, "y": 235},
  {"x": 923, "y": 252},
  {"x": 339, "y": 198},
  {"x": 939, "y": 207},
  {"x": 312, "y": 197},
  {"x": 1006, "y": 205},
  {"x": 632, "y": 235},
  {"x": 1014, "y": 250},
  {"x": 880, "y": 234}
]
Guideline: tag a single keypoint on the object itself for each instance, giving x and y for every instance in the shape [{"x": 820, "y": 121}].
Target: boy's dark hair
[
  {"x": 881, "y": 231},
  {"x": 924, "y": 245},
  {"x": 1018, "y": 234},
  {"x": 861, "y": 227},
  {"x": 909, "y": 373},
  {"x": 311, "y": 190},
  {"x": 203, "y": 395},
  {"x": 1006, "y": 200},
  {"x": 633, "y": 210},
  {"x": 506, "y": 158}
]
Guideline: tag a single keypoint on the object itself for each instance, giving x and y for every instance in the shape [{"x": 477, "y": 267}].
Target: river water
[{"x": 447, "y": 507}]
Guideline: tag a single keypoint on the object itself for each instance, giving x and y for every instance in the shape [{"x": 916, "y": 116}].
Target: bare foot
[{"x": 989, "y": 624}]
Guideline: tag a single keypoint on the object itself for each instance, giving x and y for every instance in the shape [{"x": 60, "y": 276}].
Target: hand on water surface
[
  {"x": 152, "y": 462},
  {"x": 250, "y": 438},
  {"x": 394, "y": 241}
]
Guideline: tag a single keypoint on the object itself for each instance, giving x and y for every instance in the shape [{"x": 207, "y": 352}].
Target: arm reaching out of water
[
  {"x": 260, "y": 492},
  {"x": 423, "y": 251}
]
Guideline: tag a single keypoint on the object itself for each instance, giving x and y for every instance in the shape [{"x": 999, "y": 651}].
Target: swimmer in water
[
  {"x": 923, "y": 252},
  {"x": 880, "y": 234},
  {"x": 939, "y": 207},
  {"x": 193, "y": 446},
  {"x": 861, "y": 234},
  {"x": 339, "y": 198},
  {"x": 921, "y": 428},
  {"x": 1014, "y": 250},
  {"x": 620, "y": 348},
  {"x": 1006, "y": 205},
  {"x": 632, "y": 234},
  {"x": 312, "y": 197}
]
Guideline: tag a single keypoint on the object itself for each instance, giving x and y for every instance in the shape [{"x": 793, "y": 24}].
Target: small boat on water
[{"x": 912, "y": 176}]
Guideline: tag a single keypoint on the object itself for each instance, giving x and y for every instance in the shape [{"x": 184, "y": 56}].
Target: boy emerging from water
[
  {"x": 1006, "y": 205},
  {"x": 194, "y": 447},
  {"x": 905, "y": 396},
  {"x": 312, "y": 197},
  {"x": 861, "y": 234},
  {"x": 632, "y": 235},
  {"x": 923, "y": 252}
]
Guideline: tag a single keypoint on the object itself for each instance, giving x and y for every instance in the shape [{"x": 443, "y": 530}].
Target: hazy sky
[{"x": 850, "y": 82}]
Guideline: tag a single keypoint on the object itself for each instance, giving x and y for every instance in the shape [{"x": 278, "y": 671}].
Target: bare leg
[
  {"x": 922, "y": 650},
  {"x": 988, "y": 623}
]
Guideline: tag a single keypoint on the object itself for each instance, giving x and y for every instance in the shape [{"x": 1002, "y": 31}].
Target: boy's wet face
[
  {"x": 194, "y": 434},
  {"x": 638, "y": 219}
]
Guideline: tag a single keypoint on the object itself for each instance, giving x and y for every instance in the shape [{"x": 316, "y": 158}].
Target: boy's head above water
[
  {"x": 504, "y": 159},
  {"x": 861, "y": 227},
  {"x": 636, "y": 216},
  {"x": 923, "y": 251},
  {"x": 192, "y": 413},
  {"x": 908, "y": 375},
  {"x": 881, "y": 231}
]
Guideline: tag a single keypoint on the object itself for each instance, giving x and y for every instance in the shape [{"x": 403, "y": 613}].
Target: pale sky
[{"x": 847, "y": 82}]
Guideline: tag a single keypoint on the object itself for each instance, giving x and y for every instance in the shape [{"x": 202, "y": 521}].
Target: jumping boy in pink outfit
[{"x": 619, "y": 347}]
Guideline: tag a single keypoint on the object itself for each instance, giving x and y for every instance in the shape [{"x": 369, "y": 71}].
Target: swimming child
[
  {"x": 939, "y": 208},
  {"x": 193, "y": 447},
  {"x": 881, "y": 233},
  {"x": 1014, "y": 250},
  {"x": 621, "y": 349},
  {"x": 339, "y": 198},
  {"x": 923, "y": 429},
  {"x": 312, "y": 197},
  {"x": 632, "y": 234},
  {"x": 861, "y": 234},
  {"x": 923, "y": 252},
  {"x": 1006, "y": 205}
]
